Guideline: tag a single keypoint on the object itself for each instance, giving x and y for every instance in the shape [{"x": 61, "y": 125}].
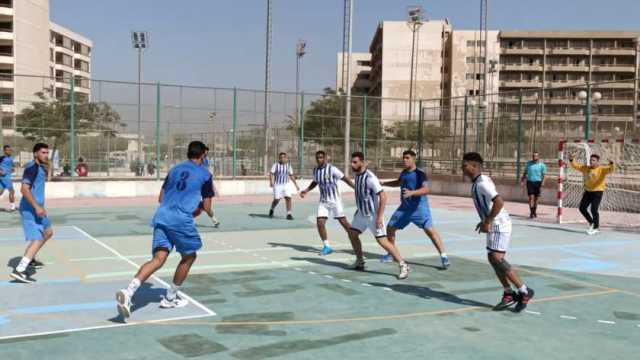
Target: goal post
[{"x": 620, "y": 206}]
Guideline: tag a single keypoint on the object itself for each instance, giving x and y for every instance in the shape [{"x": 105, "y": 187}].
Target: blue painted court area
[
  {"x": 71, "y": 301},
  {"x": 260, "y": 290}
]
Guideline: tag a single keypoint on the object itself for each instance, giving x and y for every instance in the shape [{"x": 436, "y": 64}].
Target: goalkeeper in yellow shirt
[{"x": 594, "y": 185}]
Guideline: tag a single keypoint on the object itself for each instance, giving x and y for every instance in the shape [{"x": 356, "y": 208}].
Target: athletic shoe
[
  {"x": 508, "y": 298},
  {"x": 176, "y": 302},
  {"x": 36, "y": 264},
  {"x": 404, "y": 271},
  {"x": 124, "y": 303},
  {"x": 289, "y": 217},
  {"x": 271, "y": 213},
  {"x": 358, "y": 265},
  {"x": 215, "y": 221},
  {"x": 22, "y": 277},
  {"x": 523, "y": 300},
  {"x": 387, "y": 258},
  {"x": 595, "y": 231},
  {"x": 445, "y": 262},
  {"x": 326, "y": 250},
  {"x": 590, "y": 229}
]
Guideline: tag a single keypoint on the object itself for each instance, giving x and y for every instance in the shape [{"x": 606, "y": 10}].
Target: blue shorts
[
  {"x": 420, "y": 217},
  {"x": 34, "y": 226},
  {"x": 185, "y": 239},
  {"x": 6, "y": 183}
]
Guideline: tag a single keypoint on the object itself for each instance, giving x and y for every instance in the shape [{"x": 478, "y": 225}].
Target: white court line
[
  {"x": 365, "y": 284},
  {"x": 44, "y": 333},
  {"x": 346, "y": 280},
  {"x": 606, "y": 322},
  {"x": 116, "y": 253},
  {"x": 328, "y": 276},
  {"x": 532, "y": 312},
  {"x": 568, "y": 317}
]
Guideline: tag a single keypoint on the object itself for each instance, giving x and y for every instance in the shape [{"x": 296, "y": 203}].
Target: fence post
[
  {"x": 234, "y": 143},
  {"x": 420, "y": 132},
  {"x": 72, "y": 127},
  {"x": 365, "y": 115},
  {"x": 158, "y": 131},
  {"x": 519, "y": 150},
  {"x": 464, "y": 128},
  {"x": 301, "y": 137}
]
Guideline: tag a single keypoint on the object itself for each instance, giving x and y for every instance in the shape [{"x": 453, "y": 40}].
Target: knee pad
[{"x": 502, "y": 266}]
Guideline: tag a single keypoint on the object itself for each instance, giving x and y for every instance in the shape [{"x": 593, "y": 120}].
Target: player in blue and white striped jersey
[
  {"x": 371, "y": 200},
  {"x": 495, "y": 222},
  {"x": 281, "y": 173},
  {"x": 326, "y": 177}
]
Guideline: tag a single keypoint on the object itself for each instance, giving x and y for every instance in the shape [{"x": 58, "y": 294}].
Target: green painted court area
[{"x": 259, "y": 290}]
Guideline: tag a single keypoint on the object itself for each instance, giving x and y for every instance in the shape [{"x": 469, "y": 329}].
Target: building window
[
  {"x": 6, "y": 50},
  {"x": 470, "y": 59},
  {"x": 51, "y": 55},
  {"x": 471, "y": 43},
  {"x": 469, "y": 76}
]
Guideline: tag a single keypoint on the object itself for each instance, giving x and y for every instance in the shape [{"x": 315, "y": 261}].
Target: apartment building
[
  {"x": 360, "y": 70},
  {"x": 566, "y": 62},
  {"x": 44, "y": 56}
]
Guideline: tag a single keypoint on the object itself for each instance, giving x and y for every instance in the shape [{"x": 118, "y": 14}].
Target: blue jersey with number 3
[{"x": 185, "y": 186}]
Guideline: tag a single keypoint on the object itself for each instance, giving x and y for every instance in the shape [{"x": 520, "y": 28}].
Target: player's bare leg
[
  {"x": 356, "y": 244},
  {"x": 437, "y": 242},
  {"x": 392, "y": 250},
  {"x": 123, "y": 297},
  {"x": 321, "y": 224},
  {"x": 274, "y": 203},
  {"x": 173, "y": 299},
  {"x": 288, "y": 202},
  {"x": 508, "y": 276}
]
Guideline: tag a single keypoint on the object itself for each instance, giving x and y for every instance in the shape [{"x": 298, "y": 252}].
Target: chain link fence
[{"x": 126, "y": 130}]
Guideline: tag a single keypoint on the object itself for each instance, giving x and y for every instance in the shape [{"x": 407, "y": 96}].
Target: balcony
[
  {"x": 615, "y": 68},
  {"x": 520, "y": 83},
  {"x": 6, "y": 82},
  {"x": 521, "y": 67},
  {"x": 569, "y": 68},
  {"x": 521, "y": 51},
  {"x": 614, "y": 51},
  {"x": 568, "y": 51},
  {"x": 6, "y": 58},
  {"x": 7, "y": 108}
]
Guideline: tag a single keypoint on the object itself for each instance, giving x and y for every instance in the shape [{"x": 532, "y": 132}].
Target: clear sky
[{"x": 222, "y": 42}]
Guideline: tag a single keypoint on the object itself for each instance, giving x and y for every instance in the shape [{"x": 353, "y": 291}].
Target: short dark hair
[
  {"x": 39, "y": 146},
  {"x": 358, "y": 154},
  {"x": 595, "y": 156},
  {"x": 282, "y": 153},
  {"x": 81, "y": 159},
  {"x": 196, "y": 149},
  {"x": 6, "y": 147},
  {"x": 473, "y": 156},
  {"x": 321, "y": 152},
  {"x": 409, "y": 152}
]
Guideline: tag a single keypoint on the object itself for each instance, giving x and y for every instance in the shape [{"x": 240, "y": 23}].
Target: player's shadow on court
[
  {"x": 326, "y": 262},
  {"x": 146, "y": 294},
  {"x": 428, "y": 293},
  {"x": 13, "y": 262},
  {"x": 314, "y": 250},
  {"x": 556, "y": 228}
]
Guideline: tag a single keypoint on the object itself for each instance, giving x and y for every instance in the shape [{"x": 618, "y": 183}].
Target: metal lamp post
[
  {"x": 140, "y": 41},
  {"x": 588, "y": 98},
  {"x": 414, "y": 22}
]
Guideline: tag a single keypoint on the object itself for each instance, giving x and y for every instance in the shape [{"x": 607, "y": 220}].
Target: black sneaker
[
  {"x": 22, "y": 277},
  {"x": 36, "y": 264},
  {"x": 271, "y": 213},
  {"x": 508, "y": 298},
  {"x": 523, "y": 300},
  {"x": 358, "y": 265},
  {"x": 289, "y": 217}
]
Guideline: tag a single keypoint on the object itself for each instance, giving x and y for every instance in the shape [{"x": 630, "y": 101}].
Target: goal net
[{"x": 620, "y": 206}]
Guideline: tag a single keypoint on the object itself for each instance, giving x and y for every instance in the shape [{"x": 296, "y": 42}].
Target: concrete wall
[{"x": 440, "y": 185}]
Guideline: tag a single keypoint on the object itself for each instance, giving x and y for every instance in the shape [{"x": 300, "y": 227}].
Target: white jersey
[
  {"x": 327, "y": 178},
  {"x": 367, "y": 189},
  {"x": 281, "y": 173},
  {"x": 483, "y": 192}
]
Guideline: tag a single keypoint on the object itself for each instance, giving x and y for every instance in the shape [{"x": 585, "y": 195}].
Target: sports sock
[
  {"x": 443, "y": 255},
  {"x": 326, "y": 243},
  {"x": 172, "y": 292},
  {"x": 288, "y": 212},
  {"x": 402, "y": 263},
  {"x": 523, "y": 289},
  {"x": 133, "y": 287},
  {"x": 12, "y": 206},
  {"x": 24, "y": 262}
]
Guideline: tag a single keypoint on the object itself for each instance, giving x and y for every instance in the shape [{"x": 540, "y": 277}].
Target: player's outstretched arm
[
  {"x": 576, "y": 165},
  {"x": 270, "y": 180},
  {"x": 392, "y": 183},
  {"x": 610, "y": 168},
  {"x": 348, "y": 182},
  {"x": 295, "y": 183},
  {"x": 309, "y": 188}
]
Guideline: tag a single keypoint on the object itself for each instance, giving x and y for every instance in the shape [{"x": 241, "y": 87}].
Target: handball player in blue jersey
[
  {"x": 186, "y": 185},
  {"x": 35, "y": 223},
  {"x": 6, "y": 170},
  {"x": 414, "y": 207}
]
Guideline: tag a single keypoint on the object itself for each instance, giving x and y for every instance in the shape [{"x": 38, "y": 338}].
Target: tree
[
  {"x": 48, "y": 120},
  {"x": 324, "y": 119}
]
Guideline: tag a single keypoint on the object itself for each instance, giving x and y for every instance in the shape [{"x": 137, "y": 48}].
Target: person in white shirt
[
  {"x": 370, "y": 200},
  {"x": 326, "y": 177},
  {"x": 496, "y": 223},
  {"x": 281, "y": 173}
]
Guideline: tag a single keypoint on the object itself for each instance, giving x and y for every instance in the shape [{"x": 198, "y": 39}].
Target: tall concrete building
[
  {"x": 561, "y": 63},
  {"x": 360, "y": 70},
  {"x": 45, "y": 57}
]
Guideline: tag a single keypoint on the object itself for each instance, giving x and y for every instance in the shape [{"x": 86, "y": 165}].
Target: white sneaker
[
  {"x": 124, "y": 303},
  {"x": 404, "y": 271},
  {"x": 594, "y": 231},
  {"x": 590, "y": 230},
  {"x": 176, "y": 302},
  {"x": 215, "y": 221}
]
